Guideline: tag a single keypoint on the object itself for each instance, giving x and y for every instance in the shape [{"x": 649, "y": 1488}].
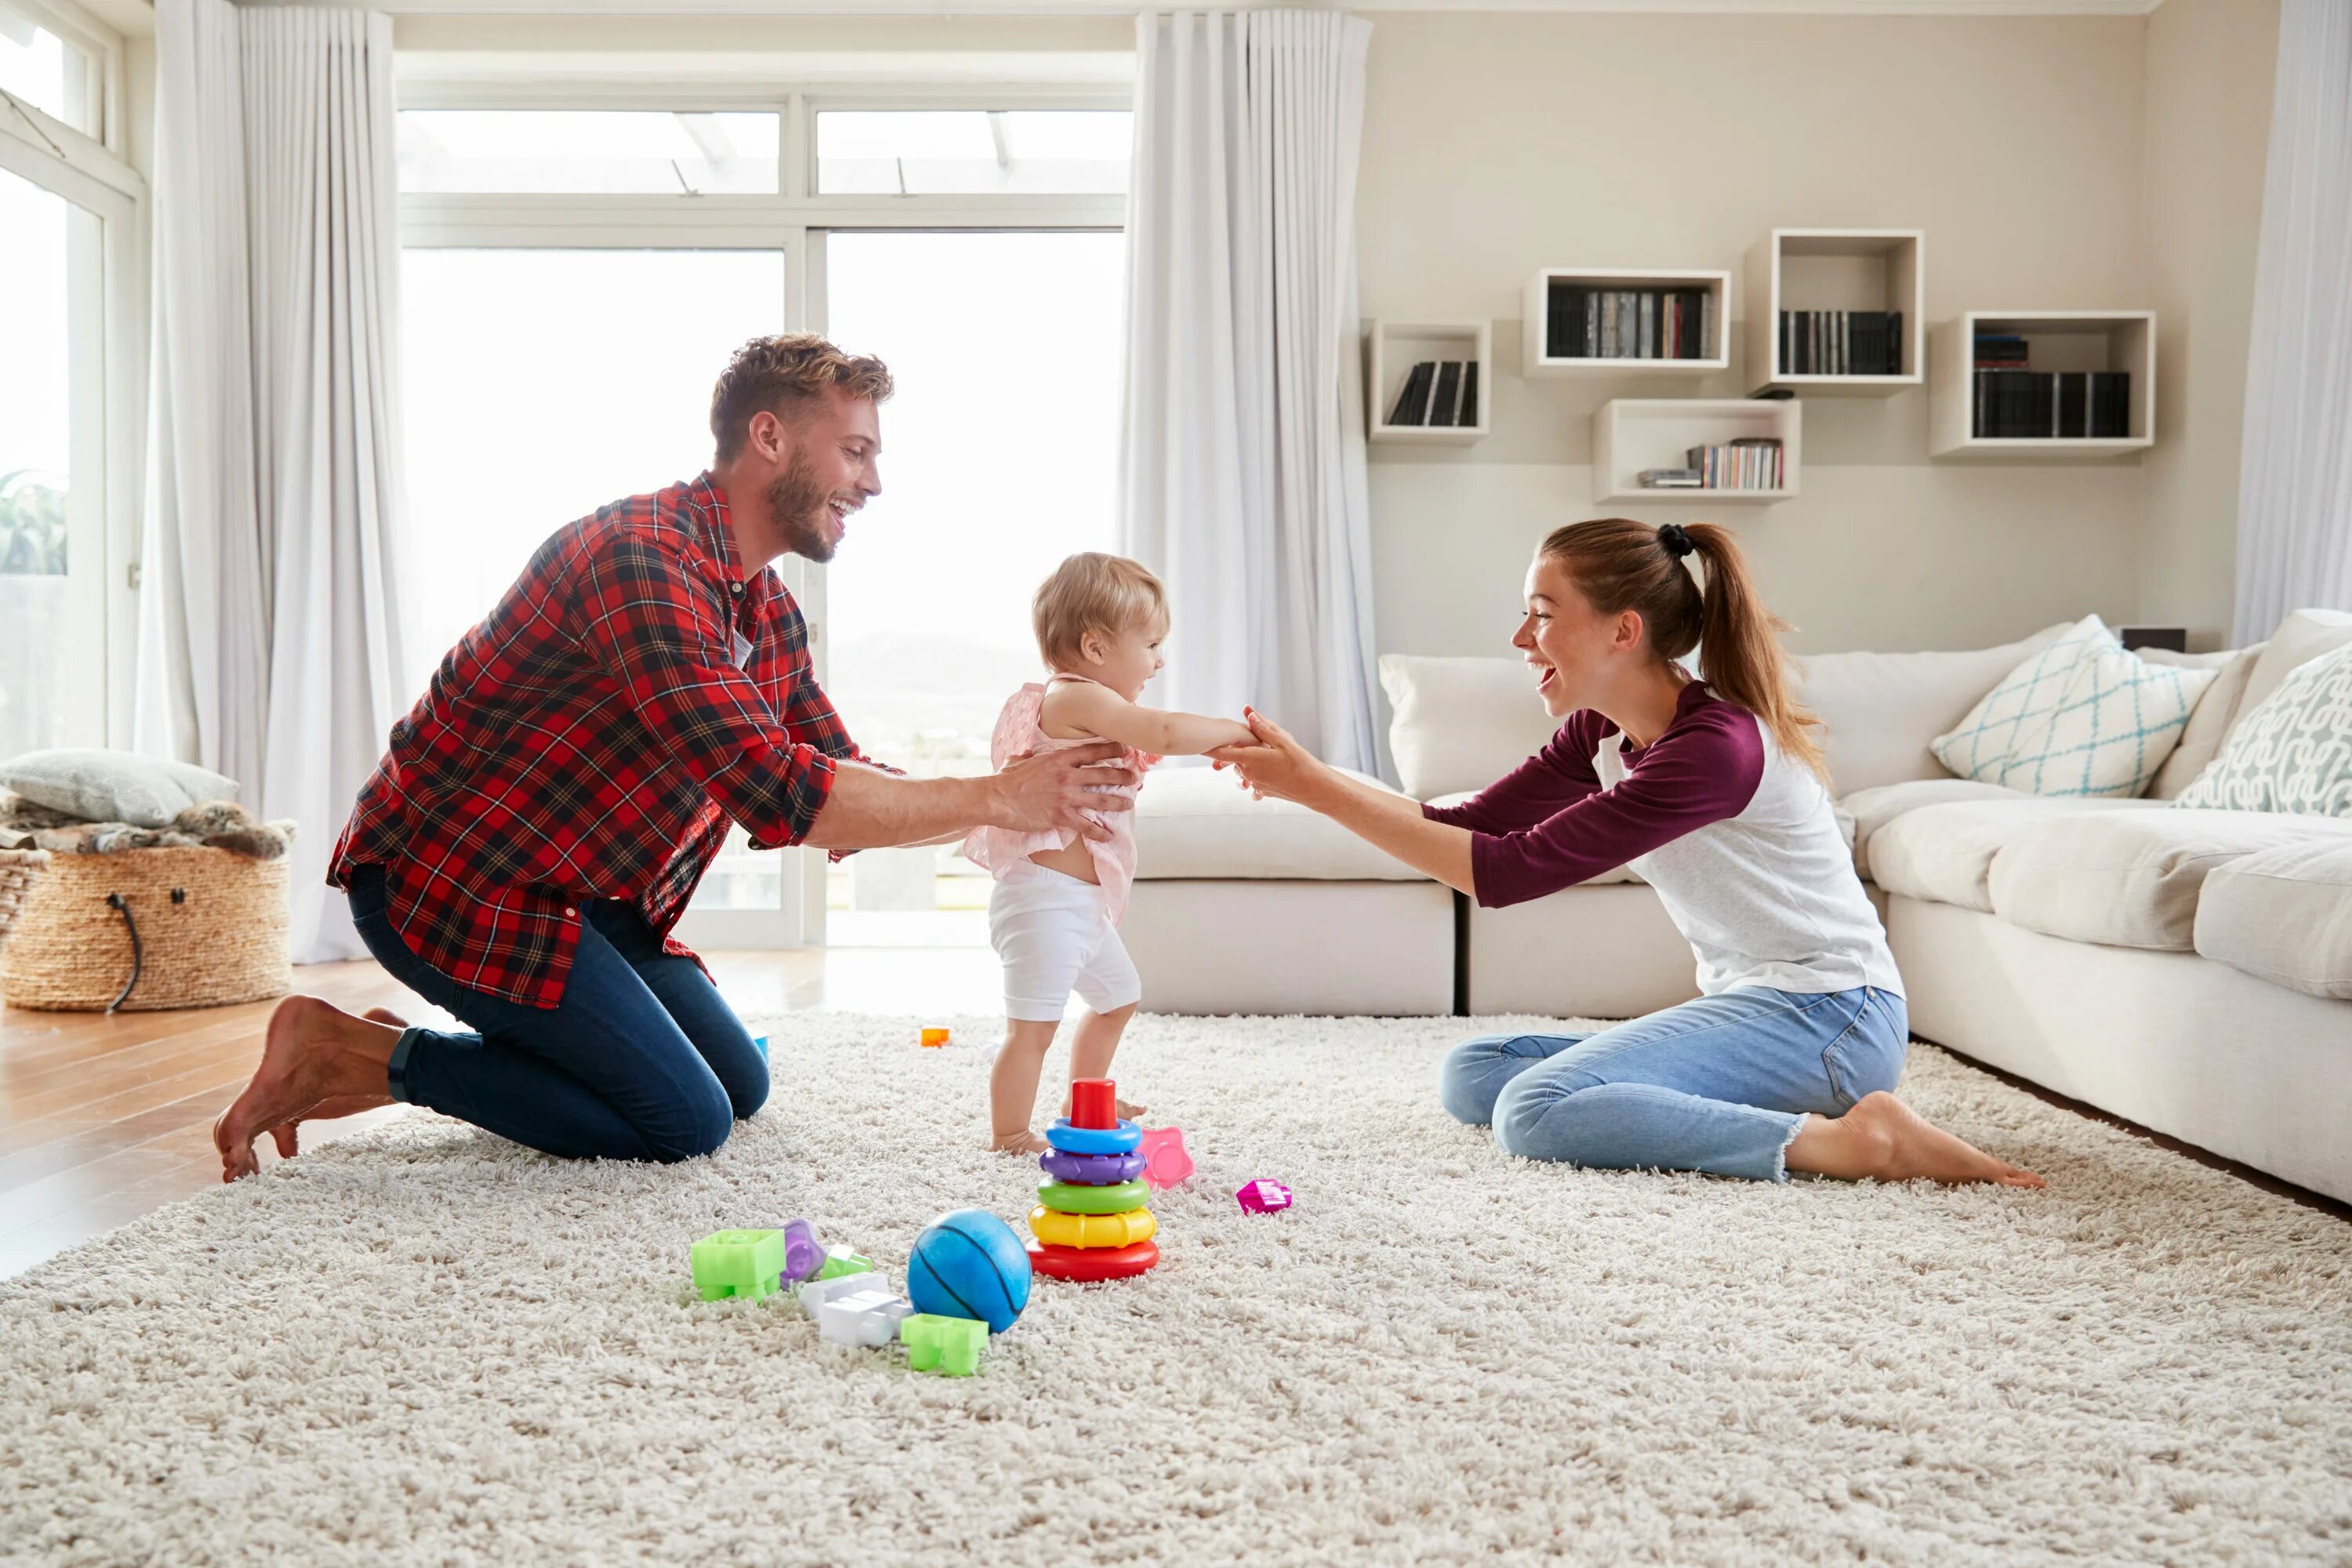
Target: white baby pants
[{"x": 1051, "y": 935}]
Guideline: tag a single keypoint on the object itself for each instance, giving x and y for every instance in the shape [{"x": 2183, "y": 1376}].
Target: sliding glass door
[
  {"x": 1000, "y": 457},
  {"x": 53, "y": 648},
  {"x": 542, "y": 383}
]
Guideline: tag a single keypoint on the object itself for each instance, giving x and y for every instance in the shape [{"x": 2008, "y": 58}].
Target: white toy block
[
  {"x": 817, "y": 1292},
  {"x": 866, "y": 1316}
]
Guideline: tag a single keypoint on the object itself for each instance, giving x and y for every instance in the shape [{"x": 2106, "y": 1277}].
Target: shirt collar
[{"x": 719, "y": 534}]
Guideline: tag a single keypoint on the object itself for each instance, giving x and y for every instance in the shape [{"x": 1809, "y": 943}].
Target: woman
[{"x": 1713, "y": 789}]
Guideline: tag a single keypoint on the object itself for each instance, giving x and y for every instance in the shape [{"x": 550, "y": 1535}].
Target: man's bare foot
[
  {"x": 288, "y": 1135},
  {"x": 313, "y": 1052},
  {"x": 1884, "y": 1139},
  {"x": 1021, "y": 1142}
]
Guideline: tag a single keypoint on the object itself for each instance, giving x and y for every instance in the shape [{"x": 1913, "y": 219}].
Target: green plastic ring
[{"x": 1071, "y": 1198}]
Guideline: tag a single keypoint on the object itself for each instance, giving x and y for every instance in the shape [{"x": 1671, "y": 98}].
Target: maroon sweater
[{"x": 1548, "y": 823}]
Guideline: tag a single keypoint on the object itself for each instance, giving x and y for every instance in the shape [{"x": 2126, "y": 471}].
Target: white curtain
[
  {"x": 270, "y": 629},
  {"x": 1242, "y": 478},
  {"x": 2295, "y": 480}
]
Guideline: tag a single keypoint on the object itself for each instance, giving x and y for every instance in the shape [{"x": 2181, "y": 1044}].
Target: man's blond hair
[
  {"x": 780, "y": 374},
  {"x": 1092, "y": 591}
]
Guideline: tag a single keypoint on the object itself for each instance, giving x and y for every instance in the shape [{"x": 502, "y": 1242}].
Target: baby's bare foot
[
  {"x": 1131, "y": 1112},
  {"x": 1021, "y": 1142}
]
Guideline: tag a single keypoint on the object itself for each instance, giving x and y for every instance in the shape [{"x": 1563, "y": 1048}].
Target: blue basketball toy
[{"x": 969, "y": 1264}]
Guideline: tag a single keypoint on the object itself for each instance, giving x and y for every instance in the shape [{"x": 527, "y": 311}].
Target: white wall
[
  {"x": 1497, "y": 144},
  {"x": 2210, "y": 76}
]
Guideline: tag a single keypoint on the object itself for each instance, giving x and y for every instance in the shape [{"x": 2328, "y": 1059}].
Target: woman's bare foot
[
  {"x": 314, "y": 1052},
  {"x": 288, "y": 1135},
  {"x": 1885, "y": 1139},
  {"x": 1021, "y": 1142}
]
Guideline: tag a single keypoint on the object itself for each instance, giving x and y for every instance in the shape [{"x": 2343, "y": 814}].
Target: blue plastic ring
[{"x": 1121, "y": 1140}]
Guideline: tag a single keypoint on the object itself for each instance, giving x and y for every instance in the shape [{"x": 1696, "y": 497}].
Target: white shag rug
[{"x": 426, "y": 1345}]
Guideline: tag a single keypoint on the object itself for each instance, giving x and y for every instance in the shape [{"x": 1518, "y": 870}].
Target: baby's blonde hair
[{"x": 1092, "y": 591}]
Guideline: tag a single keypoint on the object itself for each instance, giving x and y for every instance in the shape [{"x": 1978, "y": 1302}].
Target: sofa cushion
[
  {"x": 2130, "y": 879},
  {"x": 1944, "y": 854},
  {"x": 1861, "y": 814},
  {"x": 1614, "y": 873},
  {"x": 2084, "y": 716},
  {"x": 2215, "y": 712},
  {"x": 2292, "y": 754},
  {"x": 1200, "y": 822},
  {"x": 1879, "y": 711},
  {"x": 1460, "y": 723},
  {"x": 2285, "y": 915},
  {"x": 2303, "y": 637}
]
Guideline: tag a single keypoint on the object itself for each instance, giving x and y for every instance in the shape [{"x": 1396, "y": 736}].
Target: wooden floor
[{"x": 104, "y": 1119}]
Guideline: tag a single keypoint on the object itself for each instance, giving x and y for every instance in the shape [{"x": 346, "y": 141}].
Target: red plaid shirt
[{"x": 591, "y": 738}]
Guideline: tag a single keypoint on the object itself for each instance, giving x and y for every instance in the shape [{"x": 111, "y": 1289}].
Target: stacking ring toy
[
  {"x": 1093, "y": 1262},
  {"x": 1116, "y": 1199},
  {"x": 1091, "y": 1170},
  {"x": 1056, "y": 1228},
  {"x": 1069, "y": 1139}
]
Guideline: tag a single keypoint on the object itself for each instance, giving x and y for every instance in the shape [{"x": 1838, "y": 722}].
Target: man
[{"x": 543, "y": 813}]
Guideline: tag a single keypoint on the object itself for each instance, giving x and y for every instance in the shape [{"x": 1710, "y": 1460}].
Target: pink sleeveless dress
[{"x": 1005, "y": 853}]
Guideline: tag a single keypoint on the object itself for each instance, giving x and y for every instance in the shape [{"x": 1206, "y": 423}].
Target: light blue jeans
[{"x": 1719, "y": 1085}]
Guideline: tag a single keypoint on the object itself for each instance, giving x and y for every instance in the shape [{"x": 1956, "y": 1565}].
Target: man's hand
[{"x": 1051, "y": 791}]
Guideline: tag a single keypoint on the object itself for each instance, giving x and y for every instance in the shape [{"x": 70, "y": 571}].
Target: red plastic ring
[{"x": 1089, "y": 1263}]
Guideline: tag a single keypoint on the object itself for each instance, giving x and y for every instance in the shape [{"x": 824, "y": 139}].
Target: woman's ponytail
[{"x": 1621, "y": 564}]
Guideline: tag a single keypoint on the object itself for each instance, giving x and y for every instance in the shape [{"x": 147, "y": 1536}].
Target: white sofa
[{"x": 2190, "y": 971}]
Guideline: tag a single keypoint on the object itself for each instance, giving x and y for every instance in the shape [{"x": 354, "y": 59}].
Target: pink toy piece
[
  {"x": 1263, "y": 1196},
  {"x": 1165, "y": 1162}
]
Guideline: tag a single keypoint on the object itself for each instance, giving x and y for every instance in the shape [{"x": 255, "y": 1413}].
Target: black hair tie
[{"x": 1675, "y": 542}]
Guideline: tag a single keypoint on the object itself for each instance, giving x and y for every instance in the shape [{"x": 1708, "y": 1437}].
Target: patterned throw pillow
[
  {"x": 2084, "y": 716},
  {"x": 2293, "y": 754}
]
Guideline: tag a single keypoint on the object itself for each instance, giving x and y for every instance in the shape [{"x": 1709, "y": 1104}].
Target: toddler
[{"x": 1053, "y": 913}]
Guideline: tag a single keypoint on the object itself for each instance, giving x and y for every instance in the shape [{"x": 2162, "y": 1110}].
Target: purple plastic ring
[{"x": 1091, "y": 1170}]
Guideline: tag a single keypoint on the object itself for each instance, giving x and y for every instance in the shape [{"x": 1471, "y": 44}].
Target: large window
[
  {"x": 576, "y": 275},
  {"x": 1000, "y": 457},
  {"x": 68, "y": 372}
]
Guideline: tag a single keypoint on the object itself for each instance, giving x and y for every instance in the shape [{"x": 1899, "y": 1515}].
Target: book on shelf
[
  {"x": 1672, "y": 478},
  {"x": 1748, "y": 463},
  {"x": 1585, "y": 322},
  {"x": 2047, "y": 405},
  {"x": 1437, "y": 392},
  {"x": 1841, "y": 342}
]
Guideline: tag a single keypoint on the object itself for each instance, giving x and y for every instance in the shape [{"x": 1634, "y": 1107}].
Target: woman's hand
[{"x": 1275, "y": 766}]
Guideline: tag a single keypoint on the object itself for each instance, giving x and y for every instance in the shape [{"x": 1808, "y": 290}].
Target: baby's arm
[{"x": 1085, "y": 708}]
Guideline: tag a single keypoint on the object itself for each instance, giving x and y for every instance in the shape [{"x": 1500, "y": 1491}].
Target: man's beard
[{"x": 798, "y": 500}]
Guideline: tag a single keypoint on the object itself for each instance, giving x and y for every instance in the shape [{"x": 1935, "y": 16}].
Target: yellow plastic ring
[{"x": 1056, "y": 1228}]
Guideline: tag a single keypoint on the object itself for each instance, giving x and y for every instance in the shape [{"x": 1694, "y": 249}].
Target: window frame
[
  {"x": 794, "y": 220},
  {"x": 91, "y": 172}
]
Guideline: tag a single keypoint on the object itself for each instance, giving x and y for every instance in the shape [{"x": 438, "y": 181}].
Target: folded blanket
[{"x": 216, "y": 825}]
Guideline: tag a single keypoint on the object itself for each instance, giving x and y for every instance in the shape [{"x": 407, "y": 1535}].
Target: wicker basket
[
  {"x": 19, "y": 868},
  {"x": 149, "y": 929}
]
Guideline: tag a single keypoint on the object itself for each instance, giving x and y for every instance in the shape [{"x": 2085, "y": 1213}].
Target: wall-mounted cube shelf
[
  {"x": 1394, "y": 348},
  {"x": 2055, "y": 341},
  {"x": 1630, "y": 433},
  {"x": 1829, "y": 271},
  {"x": 1567, "y": 321}
]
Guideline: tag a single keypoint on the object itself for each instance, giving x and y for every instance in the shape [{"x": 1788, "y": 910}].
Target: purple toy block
[
  {"x": 802, "y": 1256},
  {"x": 1091, "y": 1170},
  {"x": 1263, "y": 1196}
]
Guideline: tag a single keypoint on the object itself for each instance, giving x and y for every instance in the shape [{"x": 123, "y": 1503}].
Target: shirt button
[
  {"x": 736, "y": 588},
  {"x": 569, "y": 911}
]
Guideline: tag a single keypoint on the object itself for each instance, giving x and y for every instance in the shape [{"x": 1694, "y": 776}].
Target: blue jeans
[
  {"x": 642, "y": 1060},
  {"x": 1720, "y": 1085}
]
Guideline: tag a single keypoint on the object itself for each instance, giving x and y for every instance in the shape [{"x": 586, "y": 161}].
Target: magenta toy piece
[
  {"x": 1263, "y": 1196},
  {"x": 1165, "y": 1162}
]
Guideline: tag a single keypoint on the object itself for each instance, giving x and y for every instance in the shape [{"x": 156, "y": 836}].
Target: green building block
[
  {"x": 749, "y": 1263},
  {"x": 949, "y": 1346},
  {"x": 840, "y": 1260}
]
